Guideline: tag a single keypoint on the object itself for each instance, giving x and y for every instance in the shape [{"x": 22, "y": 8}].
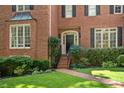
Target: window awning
[{"x": 22, "y": 16}]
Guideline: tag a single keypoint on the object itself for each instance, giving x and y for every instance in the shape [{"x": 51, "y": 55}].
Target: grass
[
  {"x": 49, "y": 80},
  {"x": 116, "y": 74}
]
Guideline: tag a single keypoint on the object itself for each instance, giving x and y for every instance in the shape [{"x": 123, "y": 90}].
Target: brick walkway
[{"x": 90, "y": 77}]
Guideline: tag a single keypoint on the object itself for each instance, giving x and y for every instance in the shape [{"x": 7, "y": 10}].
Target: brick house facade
[{"x": 88, "y": 26}]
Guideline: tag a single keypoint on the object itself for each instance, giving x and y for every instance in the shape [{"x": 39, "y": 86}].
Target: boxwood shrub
[
  {"x": 120, "y": 60},
  {"x": 40, "y": 64},
  {"x": 19, "y": 65},
  {"x": 9, "y": 64},
  {"x": 96, "y": 56}
]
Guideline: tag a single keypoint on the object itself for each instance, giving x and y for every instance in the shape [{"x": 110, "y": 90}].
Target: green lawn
[
  {"x": 116, "y": 74},
  {"x": 49, "y": 80}
]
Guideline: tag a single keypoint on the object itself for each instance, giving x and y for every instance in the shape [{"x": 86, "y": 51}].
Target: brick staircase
[{"x": 63, "y": 63}]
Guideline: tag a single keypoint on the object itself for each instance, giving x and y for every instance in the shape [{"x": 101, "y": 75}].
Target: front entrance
[
  {"x": 69, "y": 42},
  {"x": 69, "y": 38}
]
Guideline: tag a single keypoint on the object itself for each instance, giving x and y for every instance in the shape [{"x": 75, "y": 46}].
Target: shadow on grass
[
  {"x": 85, "y": 84},
  {"x": 50, "y": 80},
  {"x": 102, "y": 75}
]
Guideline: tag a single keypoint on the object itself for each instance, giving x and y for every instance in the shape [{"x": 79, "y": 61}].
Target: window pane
[
  {"x": 20, "y": 37},
  {"x": 92, "y": 10},
  {"x": 118, "y": 9},
  {"x": 113, "y": 39},
  {"x": 20, "y": 31},
  {"x": 13, "y": 42},
  {"x": 13, "y": 37},
  {"x": 13, "y": 31},
  {"x": 98, "y": 40},
  {"x": 27, "y": 36},
  {"x": 68, "y": 10},
  {"x": 105, "y": 40},
  {"x": 27, "y": 7},
  {"x": 27, "y": 31},
  {"x": 20, "y": 7}
]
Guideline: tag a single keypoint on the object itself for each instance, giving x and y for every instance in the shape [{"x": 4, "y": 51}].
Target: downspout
[
  {"x": 49, "y": 34},
  {"x": 50, "y": 21}
]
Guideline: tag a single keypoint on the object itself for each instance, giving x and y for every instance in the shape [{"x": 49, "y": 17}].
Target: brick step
[
  {"x": 62, "y": 66},
  {"x": 63, "y": 58},
  {"x": 63, "y": 63}
]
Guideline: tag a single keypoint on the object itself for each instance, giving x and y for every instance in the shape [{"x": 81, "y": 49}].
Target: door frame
[{"x": 63, "y": 39}]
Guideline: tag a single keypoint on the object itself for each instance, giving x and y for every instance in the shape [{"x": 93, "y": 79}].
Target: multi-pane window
[
  {"x": 22, "y": 8},
  {"x": 105, "y": 38},
  {"x": 92, "y": 10},
  {"x": 20, "y": 36},
  {"x": 68, "y": 11},
  {"x": 118, "y": 9}
]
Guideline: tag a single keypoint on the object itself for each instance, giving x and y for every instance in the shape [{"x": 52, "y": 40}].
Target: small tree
[{"x": 54, "y": 45}]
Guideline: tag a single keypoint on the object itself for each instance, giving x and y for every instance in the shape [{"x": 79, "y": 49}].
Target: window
[
  {"x": 68, "y": 11},
  {"x": 22, "y": 8},
  {"x": 20, "y": 36},
  {"x": 92, "y": 10},
  {"x": 105, "y": 38},
  {"x": 118, "y": 9}
]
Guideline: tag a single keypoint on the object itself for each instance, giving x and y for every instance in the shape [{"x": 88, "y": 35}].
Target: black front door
[{"x": 69, "y": 41}]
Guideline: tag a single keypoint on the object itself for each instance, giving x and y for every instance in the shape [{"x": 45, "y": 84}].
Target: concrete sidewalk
[{"x": 90, "y": 77}]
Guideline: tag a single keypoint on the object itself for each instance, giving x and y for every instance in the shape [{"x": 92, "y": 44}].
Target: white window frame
[
  {"x": 10, "y": 36},
  {"x": 17, "y": 9},
  {"x": 91, "y": 9},
  {"x": 102, "y": 30},
  {"x": 68, "y": 12},
  {"x": 121, "y": 9}
]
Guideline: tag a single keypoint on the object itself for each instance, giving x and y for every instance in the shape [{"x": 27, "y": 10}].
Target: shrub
[
  {"x": 85, "y": 62},
  {"x": 54, "y": 50},
  {"x": 36, "y": 72},
  {"x": 120, "y": 60},
  {"x": 95, "y": 56},
  {"x": 76, "y": 65},
  {"x": 20, "y": 70},
  {"x": 40, "y": 65},
  {"x": 109, "y": 64},
  {"x": 3, "y": 70},
  {"x": 12, "y": 63},
  {"x": 74, "y": 53}
]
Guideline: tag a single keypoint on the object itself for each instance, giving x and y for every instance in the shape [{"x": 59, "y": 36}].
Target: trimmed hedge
[
  {"x": 41, "y": 64},
  {"x": 120, "y": 60},
  {"x": 95, "y": 56},
  {"x": 19, "y": 65},
  {"x": 9, "y": 64}
]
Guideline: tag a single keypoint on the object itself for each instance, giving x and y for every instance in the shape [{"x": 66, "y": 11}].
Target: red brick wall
[
  {"x": 103, "y": 20},
  {"x": 39, "y": 32},
  {"x": 40, "y": 27}
]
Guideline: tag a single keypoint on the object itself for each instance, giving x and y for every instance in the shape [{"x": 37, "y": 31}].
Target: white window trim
[
  {"x": 90, "y": 10},
  {"x": 17, "y": 10},
  {"x": 108, "y": 37},
  {"x": 10, "y": 41},
  {"x": 68, "y": 16},
  {"x": 121, "y": 9}
]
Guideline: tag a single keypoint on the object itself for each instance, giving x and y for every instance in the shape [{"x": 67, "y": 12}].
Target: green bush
[
  {"x": 20, "y": 70},
  {"x": 12, "y": 63},
  {"x": 95, "y": 56},
  {"x": 54, "y": 51},
  {"x": 109, "y": 64},
  {"x": 40, "y": 65},
  {"x": 74, "y": 53},
  {"x": 120, "y": 60},
  {"x": 85, "y": 62}
]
